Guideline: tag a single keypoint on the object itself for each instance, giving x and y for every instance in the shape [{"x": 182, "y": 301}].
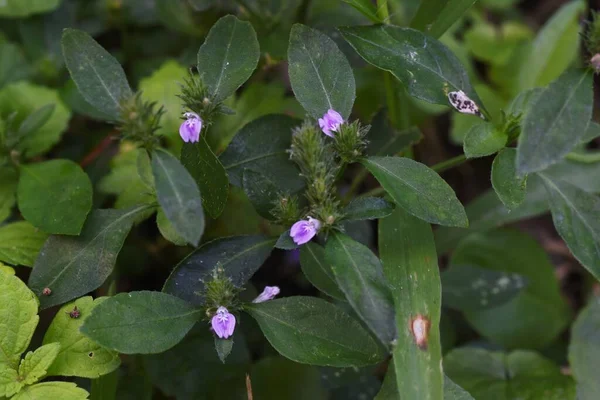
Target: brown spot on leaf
[{"x": 419, "y": 327}]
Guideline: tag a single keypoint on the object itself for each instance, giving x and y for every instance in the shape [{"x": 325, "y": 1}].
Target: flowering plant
[{"x": 255, "y": 200}]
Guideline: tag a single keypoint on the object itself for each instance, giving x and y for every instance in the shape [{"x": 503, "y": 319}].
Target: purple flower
[
  {"x": 223, "y": 323},
  {"x": 189, "y": 130},
  {"x": 330, "y": 122},
  {"x": 302, "y": 231},
  {"x": 268, "y": 294}
]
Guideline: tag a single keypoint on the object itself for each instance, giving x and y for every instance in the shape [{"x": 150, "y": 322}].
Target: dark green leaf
[
  {"x": 556, "y": 122},
  {"x": 20, "y": 243},
  {"x": 9, "y": 179},
  {"x": 384, "y": 140},
  {"x": 228, "y": 56},
  {"x": 25, "y": 8},
  {"x": 239, "y": 256},
  {"x": 427, "y": 68},
  {"x": 576, "y": 216},
  {"x": 368, "y": 208},
  {"x": 320, "y": 74},
  {"x": 592, "y": 132},
  {"x": 55, "y": 196},
  {"x": 418, "y": 189},
  {"x": 178, "y": 196},
  {"x": 454, "y": 392},
  {"x": 166, "y": 229},
  {"x": 312, "y": 331},
  {"x": 209, "y": 174},
  {"x": 261, "y": 146},
  {"x": 223, "y": 348},
  {"x": 483, "y": 139},
  {"x": 140, "y": 322},
  {"x": 74, "y": 266},
  {"x": 98, "y": 75},
  {"x": 366, "y": 8},
  {"x": 508, "y": 186},
  {"x": 427, "y": 13},
  {"x": 36, "y": 120},
  {"x": 410, "y": 266},
  {"x": 261, "y": 192},
  {"x": 451, "y": 13},
  {"x": 584, "y": 351},
  {"x": 285, "y": 242},
  {"x": 275, "y": 378},
  {"x": 318, "y": 271},
  {"x": 359, "y": 275}
]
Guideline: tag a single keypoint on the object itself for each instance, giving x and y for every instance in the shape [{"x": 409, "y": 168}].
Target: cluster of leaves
[{"x": 261, "y": 164}]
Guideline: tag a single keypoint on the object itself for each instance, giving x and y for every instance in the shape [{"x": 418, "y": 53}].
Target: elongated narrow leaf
[
  {"x": 318, "y": 271},
  {"x": 238, "y": 256},
  {"x": 368, "y": 208},
  {"x": 418, "y": 189},
  {"x": 366, "y": 8},
  {"x": 209, "y": 174},
  {"x": 55, "y": 196},
  {"x": 427, "y": 13},
  {"x": 296, "y": 326},
  {"x": 576, "y": 216},
  {"x": 20, "y": 243},
  {"x": 451, "y": 13},
  {"x": 73, "y": 266},
  {"x": 320, "y": 75},
  {"x": 556, "y": 122},
  {"x": 511, "y": 189},
  {"x": 140, "y": 322},
  {"x": 410, "y": 266},
  {"x": 228, "y": 56},
  {"x": 98, "y": 75},
  {"x": 584, "y": 351},
  {"x": 359, "y": 275},
  {"x": 178, "y": 196},
  {"x": 427, "y": 68}
]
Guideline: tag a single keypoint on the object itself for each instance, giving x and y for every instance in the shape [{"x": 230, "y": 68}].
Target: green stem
[
  {"x": 586, "y": 158},
  {"x": 451, "y": 163},
  {"x": 382, "y": 10}
]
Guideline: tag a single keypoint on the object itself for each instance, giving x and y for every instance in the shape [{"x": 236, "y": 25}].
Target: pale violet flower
[
  {"x": 268, "y": 294},
  {"x": 223, "y": 323},
  {"x": 303, "y": 231},
  {"x": 331, "y": 122},
  {"x": 189, "y": 130}
]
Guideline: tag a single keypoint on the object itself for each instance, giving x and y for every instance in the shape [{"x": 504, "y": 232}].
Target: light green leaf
[
  {"x": 97, "y": 74},
  {"x": 140, "y": 322},
  {"x": 556, "y": 121},
  {"x": 418, "y": 189},
  {"x": 454, "y": 392},
  {"x": 410, "y": 266},
  {"x": 178, "y": 196},
  {"x": 35, "y": 120},
  {"x": 25, "y": 8},
  {"x": 73, "y": 266},
  {"x": 367, "y": 208},
  {"x": 209, "y": 174},
  {"x": 9, "y": 179},
  {"x": 9, "y": 381},
  {"x": 78, "y": 355},
  {"x": 320, "y": 74},
  {"x": 35, "y": 364},
  {"x": 584, "y": 351},
  {"x": 483, "y": 139},
  {"x": 52, "y": 390},
  {"x": 318, "y": 271},
  {"x": 366, "y": 8},
  {"x": 18, "y": 313},
  {"x": 55, "y": 196},
  {"x": 228, "y": 56},
  {"x": 20, "y": 243},
  {"x": 427, "y": 68},
  {"x": 312, "y": 331},
  {"x": 577, "y": 220},
  {"x": 511, "y": 189}
]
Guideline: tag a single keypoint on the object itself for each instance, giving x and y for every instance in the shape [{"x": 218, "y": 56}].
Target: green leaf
[
  {"x": 25, "y": 8},
  {"x": 20, "y": 243},
  {"x": 239, "y": 256},
  {"x": 178, "y": 196},
  {"x": 427, "y": 13},
  {"x": 261, "y": 192},
  {"x": 584, "y": 351},
  {"x": 25, "y": 98},
  {"x": 105, "y": 387},
  {"x": 320, "y": 74},
  {"x": 166, "y": 229},
  {"x": 556, "y": 122},
  {"x": 538, "y": 313},
  {"x": 35, "y": 120},
  {"x": 52, "y": 390},
  {"x": 78, "y": 355},
  {"x": 576, "y": 218},
  {"x": 384, "y": 140},
  {"x": 554, "y": 49},
  {"x": 73, "y": 266},
  {"x": 35, "y": 364},
  {"x": 367, "y": 208},
  {"x": 55, "y": 196},
  {"x": 366, "y": 8},
  {"x": 469, "y": 288},
  {"x": 318, "y": 271},
  {"x": 358, "y": 273},
  {"x": 410, "y": 266},
  {"x": 511, "y": 189},
  {"x": 275, "y": 378},
  {"x": 285, "y": 241},
  {"x": 223, "y": 348},
  {"x": 9, "y": 381},
  {"x": 296, "y": 326},
  {"x": 427, "y": 68},
  {"x": 19, "y": 319},
  {"x": 228, "y": 56},
  {"x": 209, "y": 174},
  {"x": 452, "y": 12},
  {"x": 14, "y": 66},
  {"x": 454, "y": 392},
  {"x": 97, "y": 74},
  {"x": 261, "y": 146},
  {"x": 9, "y": 179},
  {"x": 484, "y": 139},
  {"x": 418, "y": 189},
  {"x": 517, "y": 375},
  {"x": 592, "y": 132},
  {"x": 140, "y": 322}
]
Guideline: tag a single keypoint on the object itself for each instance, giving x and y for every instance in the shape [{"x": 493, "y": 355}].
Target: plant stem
[
  {"x": 450, "y": 163},
  {"x": 586, "y": 158},
  {"x": 382, "y": 10}
]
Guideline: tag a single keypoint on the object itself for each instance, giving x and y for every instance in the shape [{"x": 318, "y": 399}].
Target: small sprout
[
  {"x": 419, "y": 327},
  {"x": 463, "y": 104},
  {"x": 46, "y": 292},
  {"x": 75, "y": 313}
]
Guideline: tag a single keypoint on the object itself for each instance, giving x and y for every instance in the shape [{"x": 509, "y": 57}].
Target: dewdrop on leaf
[{"x": 463, "y": 104}]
